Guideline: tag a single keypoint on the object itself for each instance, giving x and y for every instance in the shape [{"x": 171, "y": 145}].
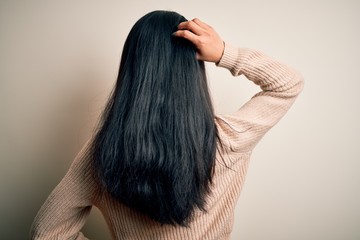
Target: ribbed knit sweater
[{"x": 67, "y": 207}]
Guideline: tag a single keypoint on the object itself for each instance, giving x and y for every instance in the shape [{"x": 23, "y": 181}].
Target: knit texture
[{"x": 67, "y": 207}]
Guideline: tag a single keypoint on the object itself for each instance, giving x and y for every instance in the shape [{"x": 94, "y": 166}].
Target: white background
[{"x": 59, "y": 60}]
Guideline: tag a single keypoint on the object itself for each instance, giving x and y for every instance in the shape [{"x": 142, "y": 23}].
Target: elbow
[
  {"x": 295, "y": 86},
  {"x": 299, "y": 86}
]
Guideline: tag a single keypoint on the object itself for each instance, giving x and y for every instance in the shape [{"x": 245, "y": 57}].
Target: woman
[{"x": 161, "y": 165}]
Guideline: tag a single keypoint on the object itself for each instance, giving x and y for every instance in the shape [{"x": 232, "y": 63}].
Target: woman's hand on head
[{"x": 208, "y": 43}]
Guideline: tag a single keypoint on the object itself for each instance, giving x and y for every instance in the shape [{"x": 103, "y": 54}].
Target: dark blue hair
[{"x": 155, "y": 147}]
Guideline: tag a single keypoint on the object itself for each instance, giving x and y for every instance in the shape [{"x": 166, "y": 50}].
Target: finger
[
  {"x": 192, "y": 26},
  {"x": 201, "y": 24},
  {"x": 187, "y": 35}
]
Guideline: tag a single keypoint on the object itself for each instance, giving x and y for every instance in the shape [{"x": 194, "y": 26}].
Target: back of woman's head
[{"x": 155, "y": 148}]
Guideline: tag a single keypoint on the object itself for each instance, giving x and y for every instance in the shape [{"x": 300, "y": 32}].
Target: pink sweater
[{"x": 66, "y": 209}]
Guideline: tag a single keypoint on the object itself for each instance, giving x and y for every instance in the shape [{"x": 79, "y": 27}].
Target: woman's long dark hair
[{"x": 155, "y": 147}]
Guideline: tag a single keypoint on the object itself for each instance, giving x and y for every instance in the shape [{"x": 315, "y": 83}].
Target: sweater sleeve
[
  {"x": 280, "y": 85},
  {"x": 65, "y": 211}
]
